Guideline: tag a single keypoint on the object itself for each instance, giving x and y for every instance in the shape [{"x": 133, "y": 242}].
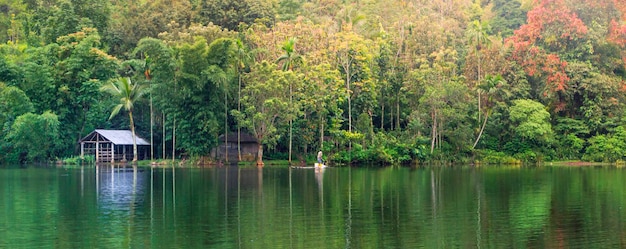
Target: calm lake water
[{"x": 231, "y": 207}]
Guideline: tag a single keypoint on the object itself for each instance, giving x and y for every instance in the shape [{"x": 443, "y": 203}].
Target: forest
[{"x": 377, "y": 82}]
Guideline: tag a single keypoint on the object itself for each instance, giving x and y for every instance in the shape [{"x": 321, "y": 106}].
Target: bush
[
  {"x": 386, "y": 149},
  {"x": 527, "y": 156},
  {"x": 605, "y": 148},
  {"x": 495, "y": 157}
]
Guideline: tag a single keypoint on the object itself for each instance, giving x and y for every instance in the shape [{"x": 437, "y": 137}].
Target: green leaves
[
  {"x": 607, "y": 148},
  {"x": 290, "y": 58},
  {"x": 530, "y": 120},
  {"x": 229, "y": 14},
  {"x": 34, "y": 137},
  {"x": 265, "y": 100},
  {"x": 126, "y": 92},
  {"x": 13, "y": 103}
]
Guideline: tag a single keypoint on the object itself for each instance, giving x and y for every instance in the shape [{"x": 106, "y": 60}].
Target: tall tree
[
  {"x": 351, "y": 51},
  {"x": 147, "y": 71},
  {"x": 289, "y": 59},
  {"x": 241, "y": 62},
  {"x": 322, "y": 94},
  {"x": 80, "y": 68},
  {"x": 477, "y": 36},
  {"x": 264, "y": 102},
  {"x": 128, "y": 94},
  {"x": 160, "y": 72},
  {"x": 441, "y": 91}
]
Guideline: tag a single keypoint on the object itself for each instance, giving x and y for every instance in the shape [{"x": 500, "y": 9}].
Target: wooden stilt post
[{"x": 112, "y": 153}]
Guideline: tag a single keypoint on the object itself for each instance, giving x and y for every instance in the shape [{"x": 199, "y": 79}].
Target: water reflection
[
  {"x": 231, "y": 207},
  {"x": 319, "y": 177},
  {"x": 120, "y": 188}
]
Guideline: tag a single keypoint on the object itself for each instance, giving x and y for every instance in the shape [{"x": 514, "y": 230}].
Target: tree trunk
[
  {"x": 479, "y": 107},
  {"x": 259, "y": 156},
  {"x": 132, "y": 129},
  {"x": 163, "y": 142},
  {"x": 391, "y": 122},
  {"x": 306, "y": 144},
  {"x": 481, "y": 130},
  {"x": 434, "y": 132},
  {"x": 290, "y": 121},
  {"x": 439, "y": 133},
  {"x": 82, "y": 128},
  {"x": 349, "y": 101},
  {"x": 226, "y": 123},
  {"x": 174, "y": 141},
  {"x": 349, "y": 106},
  {"x": 321, "y": 132},
  {"x": 239, "y": 127},
  {"x": 151, "y": 126},
  {"x": 382, "y": 116},
  {"x": 371, "y": 128},
  {"x": 478, "y": 82},
  {"x": 398, "y": 112}
]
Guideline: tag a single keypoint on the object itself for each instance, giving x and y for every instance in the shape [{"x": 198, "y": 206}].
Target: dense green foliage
[{"x": 378, "y": 82}]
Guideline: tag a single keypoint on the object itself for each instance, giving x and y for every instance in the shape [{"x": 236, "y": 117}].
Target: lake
[{"x": 277, "y": 207}]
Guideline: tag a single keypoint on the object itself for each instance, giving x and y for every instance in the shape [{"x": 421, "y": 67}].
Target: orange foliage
[
  {"x": 555, "y": 69},
  {"x": 617, "y": 33},
  {"x": 549, "y": 18},
  {"x": 623, "y": 88},
  {"x": 548, "y": 13}
]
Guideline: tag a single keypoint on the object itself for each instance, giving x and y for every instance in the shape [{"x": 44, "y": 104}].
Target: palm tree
[
  {"x": 128, "y": 94},
  {"x": 148, "y": 74},
  {"x": 477, "y": 35},
  {"x": 289, "y": 59},
  {"x": 493, "y": 87},
  {"x": 242, "y": 58}
]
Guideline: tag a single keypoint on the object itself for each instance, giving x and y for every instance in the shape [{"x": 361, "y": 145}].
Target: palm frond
[
  {"x": 115, "y": 111},
  {"x": 126, "y": 92}
]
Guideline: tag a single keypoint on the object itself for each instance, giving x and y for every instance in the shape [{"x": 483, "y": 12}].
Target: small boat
[
  {"x": 316, "y": 166},
  {"x": 302, "y": 167},
  {"x": 320, "y": 165}
]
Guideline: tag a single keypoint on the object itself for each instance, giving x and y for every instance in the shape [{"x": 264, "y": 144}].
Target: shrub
[{"x": 495, "y": 157}]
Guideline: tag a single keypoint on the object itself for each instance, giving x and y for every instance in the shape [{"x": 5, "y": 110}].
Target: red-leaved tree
[{"x": 551, "y": 28}]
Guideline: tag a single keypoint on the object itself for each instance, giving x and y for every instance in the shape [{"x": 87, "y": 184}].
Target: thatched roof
[{"x": 117, "y": 137}]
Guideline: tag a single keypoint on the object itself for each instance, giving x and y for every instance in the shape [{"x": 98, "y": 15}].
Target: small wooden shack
[
  {"x": 249, "y": 148},
  {"x": 113, "y": 145}
]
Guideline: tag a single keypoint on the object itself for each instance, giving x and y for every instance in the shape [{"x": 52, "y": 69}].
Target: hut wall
[{"x": 248, "y": 152}]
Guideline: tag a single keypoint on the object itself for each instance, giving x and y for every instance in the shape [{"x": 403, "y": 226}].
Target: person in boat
[{"x": 319, "y": 157}]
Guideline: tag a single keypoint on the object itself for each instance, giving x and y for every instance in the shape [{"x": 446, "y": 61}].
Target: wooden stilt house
[{"x": 113, "y": 145}]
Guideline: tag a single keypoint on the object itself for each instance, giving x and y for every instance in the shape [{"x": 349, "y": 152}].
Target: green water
[{"x": 230, "y": 207}]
